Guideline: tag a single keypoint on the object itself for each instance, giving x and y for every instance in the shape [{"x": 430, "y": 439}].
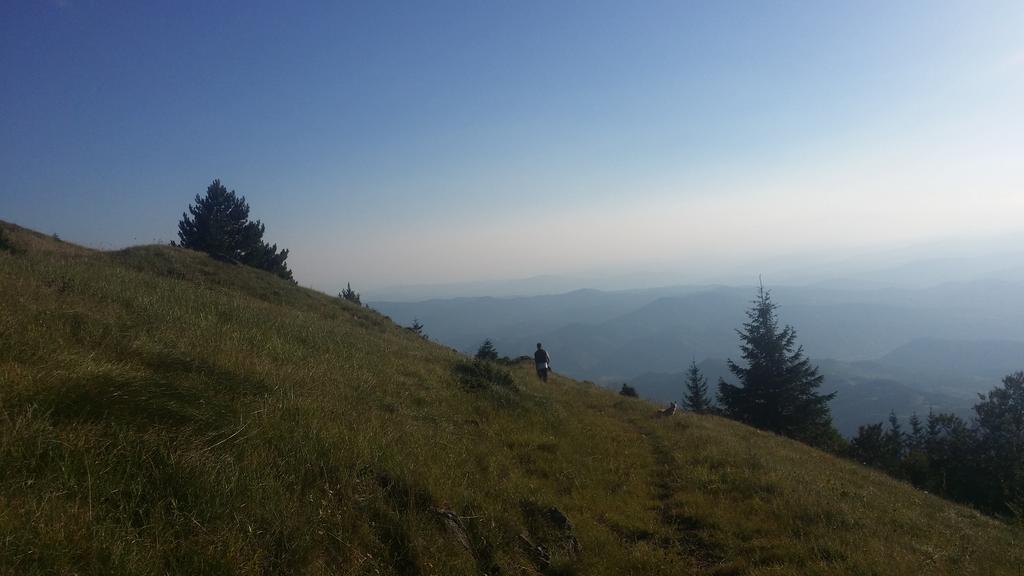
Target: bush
[
  {"x": 629, "y": 391},
  {"x": 5, "y": 242},
  {"x": 479, "y": 375}
]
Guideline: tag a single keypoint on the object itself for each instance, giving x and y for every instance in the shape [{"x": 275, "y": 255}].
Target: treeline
[{"x": 980, "y": 462}]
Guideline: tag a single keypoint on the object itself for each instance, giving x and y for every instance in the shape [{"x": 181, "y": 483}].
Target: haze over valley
[{"x": 886, "y": 340}]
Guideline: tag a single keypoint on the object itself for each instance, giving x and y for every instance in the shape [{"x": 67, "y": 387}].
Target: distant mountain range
[
  {"x": 902, "y": 349},
  {"x": 910, "y": 267}
]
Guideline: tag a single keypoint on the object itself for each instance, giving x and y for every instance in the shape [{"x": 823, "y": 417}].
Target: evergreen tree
[
  {"x": 777, "y": 388},
  {"x": 349, "y": 294},
  {"x": 266, "y": 257},
  {"x": 487, "y": 351},
  {"x": 917, "y": 437},
  {"x": 696, "y": 397},
  {"x": 871, "y": 446},
  {"x": 915, "y": 460},
  {"x": 982, "y": 465},
  {"x": 219, "y": 225},
  {"x": 1000, "y": 445},
  {"x": 417, "y": 326},
  {"x": 949, "y": 448},
  {"x": 897, "y": 438},
  {"x": 880, "y": 448}
]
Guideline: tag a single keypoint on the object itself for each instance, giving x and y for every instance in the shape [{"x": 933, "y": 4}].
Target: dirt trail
[{"x": 689, "y": 533}]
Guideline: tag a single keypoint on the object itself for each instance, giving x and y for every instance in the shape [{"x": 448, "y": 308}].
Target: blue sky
[{"x": 398, "y": 143}]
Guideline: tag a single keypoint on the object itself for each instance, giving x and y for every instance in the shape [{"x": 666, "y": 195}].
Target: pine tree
[
  {"x": 1000, "y": 445},
  {"x": 696, "y": 397},
  {"x": 871, "y": 446},
  {"x": 949, "y": 447},
  {"x": 417, "y": 326},
  {"x": 777, "y": 389},
  {"x": 219, "y": 225},
  {"x": 915, "y": 462},
  {"x": 897, "y": 438},
  {"x": 875, "y": 446},
  {"x": 487, "y": 351},
  {"x": 917, "y": 438},
  {"x": 266, "y": 257},
  {"x": 349, "y": 294}
]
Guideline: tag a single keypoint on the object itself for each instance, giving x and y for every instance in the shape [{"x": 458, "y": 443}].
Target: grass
[{"x": 164, "y": 413}]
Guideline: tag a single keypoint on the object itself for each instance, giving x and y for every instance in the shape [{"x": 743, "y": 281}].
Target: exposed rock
[{"x": 454, "y": 524}]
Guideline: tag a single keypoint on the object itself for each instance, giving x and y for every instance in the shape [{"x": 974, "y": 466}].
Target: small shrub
[
  {"x": 479, "y": 375},
  {"x": 629, "y": 391},
  {"x": 5, "y": 242}
]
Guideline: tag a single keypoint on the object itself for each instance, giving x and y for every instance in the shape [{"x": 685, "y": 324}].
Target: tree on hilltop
[
  {"x": 696, "y": 398},
  {"x": 487, "y": 351},
  {"x": 266, "y": 257},
  {"x": 777, "y": 389},
  {"x": 219, "y": 225}
]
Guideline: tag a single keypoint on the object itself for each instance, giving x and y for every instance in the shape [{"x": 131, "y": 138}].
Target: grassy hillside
[{"x": 164, "y": 413}]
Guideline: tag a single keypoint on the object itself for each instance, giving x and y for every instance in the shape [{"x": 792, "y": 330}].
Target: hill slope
[{"x": 161, "y": 412}]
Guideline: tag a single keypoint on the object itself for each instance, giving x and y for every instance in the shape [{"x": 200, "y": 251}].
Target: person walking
[{"x": 543, "y": 362}]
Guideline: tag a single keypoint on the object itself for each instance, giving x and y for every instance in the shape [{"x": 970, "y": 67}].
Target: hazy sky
[{"x": 397, "y": 143}]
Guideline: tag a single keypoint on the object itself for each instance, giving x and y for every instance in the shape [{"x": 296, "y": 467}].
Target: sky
[{"x": 406, "y": 143}]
